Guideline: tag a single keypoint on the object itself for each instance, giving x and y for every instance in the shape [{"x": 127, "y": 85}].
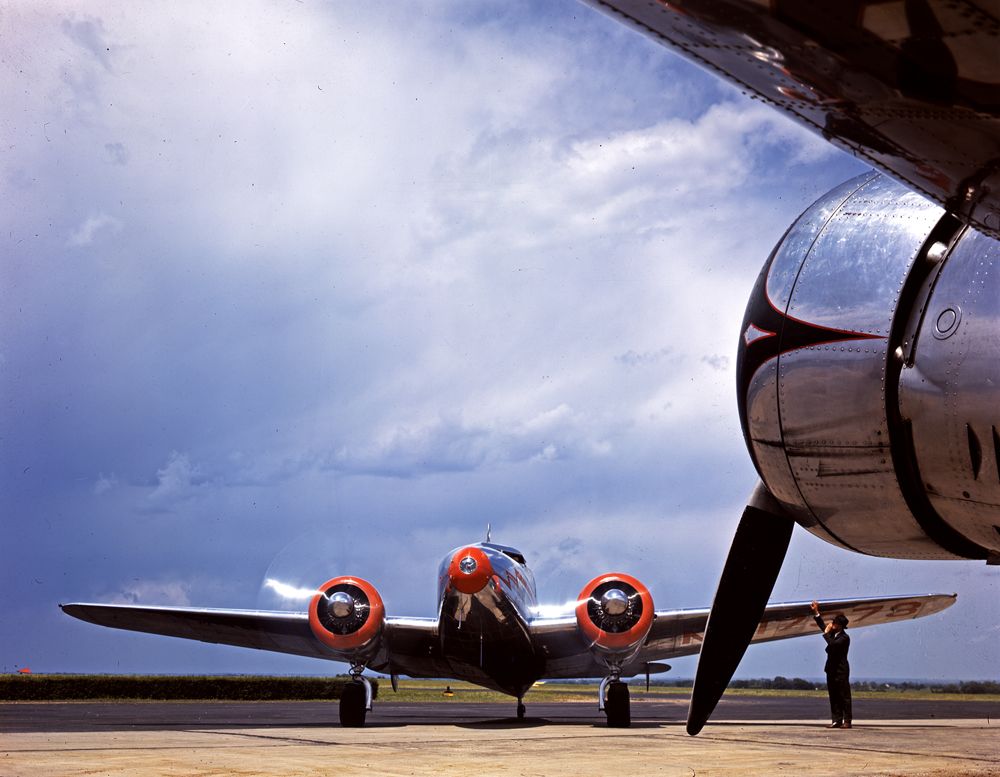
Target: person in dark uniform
[{"x": 838, "y": 671}]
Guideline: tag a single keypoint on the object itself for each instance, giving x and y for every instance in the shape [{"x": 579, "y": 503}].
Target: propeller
[
  {"x": 298, "y": 570},
  {"x": 748, "y": 577}
]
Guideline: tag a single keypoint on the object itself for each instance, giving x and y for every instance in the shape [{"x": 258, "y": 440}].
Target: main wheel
[
  {"x": 520, "y": 711},
  {"x": 352, "y": 705},
  {"x": 617, "y": 706}
]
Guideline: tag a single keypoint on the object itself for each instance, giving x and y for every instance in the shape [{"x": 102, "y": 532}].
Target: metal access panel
[{"x": 949, "y": 393}]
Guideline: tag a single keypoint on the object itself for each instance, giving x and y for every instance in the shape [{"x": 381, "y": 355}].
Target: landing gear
[
  {"x": 355, "y": 700},
  {"x": 613, "y": 700},
  {"x": 520, "y": 710},
  {"x": 352, "y": 705},
  {"x": 617, "y": 706}
]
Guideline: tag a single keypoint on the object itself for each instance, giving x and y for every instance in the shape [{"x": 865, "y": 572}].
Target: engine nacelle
[
  {"x": 347, "y": 615},
  {"x": 614, "y": 613},
  {"x": 868, "y": 364}
]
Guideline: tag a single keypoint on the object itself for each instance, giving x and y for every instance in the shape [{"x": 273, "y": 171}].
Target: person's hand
[
  {"x": 814, "y": 607},
  {"x": 828, "y": 629}
]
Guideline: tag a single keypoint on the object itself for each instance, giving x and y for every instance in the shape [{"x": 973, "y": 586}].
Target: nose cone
[
  {"x": 340, "y": 605},
  {"x": 470, "y": 570},
  {"x": 614, "y": 602}
]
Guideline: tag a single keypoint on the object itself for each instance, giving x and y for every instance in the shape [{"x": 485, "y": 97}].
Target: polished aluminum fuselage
[
  {"x": 484, "y": 636},
  {"x": 869, "y": 377}
]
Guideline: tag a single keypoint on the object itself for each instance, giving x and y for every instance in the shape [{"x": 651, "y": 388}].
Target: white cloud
[
  {"x": 633, "y": 359},
  {"x": 105, "y": 483},
  {"x": 716, "y": 361},
  {"x": 84, "y": 234},
  {"x": 430, "y": 257},
  {"x": 178, "y": 479},
  {"x": 450, "y": 443},
  {"x": 495, "y": 260},
  {"x": 154, "y": 592}
]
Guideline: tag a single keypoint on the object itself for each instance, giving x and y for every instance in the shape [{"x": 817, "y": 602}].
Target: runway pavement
[{"x": 764, "y": 736}]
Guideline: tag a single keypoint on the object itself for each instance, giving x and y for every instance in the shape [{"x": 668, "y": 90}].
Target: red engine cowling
[
  {"x": 347, "y": 615},
  {"x": 470, "y": 570},
  {"x": 614, "y": 613}
]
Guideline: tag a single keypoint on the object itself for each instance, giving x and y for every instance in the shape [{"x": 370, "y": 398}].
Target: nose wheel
[
  {"x": 520, "y": 710},
  {"x": 614, "y": 701}
]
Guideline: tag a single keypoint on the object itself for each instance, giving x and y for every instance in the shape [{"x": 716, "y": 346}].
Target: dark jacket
[{"x": 837, "y": 645}]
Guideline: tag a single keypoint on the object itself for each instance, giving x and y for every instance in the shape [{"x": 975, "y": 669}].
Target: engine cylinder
[
  {"x": 347, "y": 615},
  {"x": 614, "y": 613}
]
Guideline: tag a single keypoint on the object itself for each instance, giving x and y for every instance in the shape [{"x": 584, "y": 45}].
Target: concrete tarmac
[{"x": 755, "y": 736}]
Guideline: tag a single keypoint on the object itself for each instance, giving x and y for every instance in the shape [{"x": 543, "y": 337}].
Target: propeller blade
[{"x": 754, "y": 561}]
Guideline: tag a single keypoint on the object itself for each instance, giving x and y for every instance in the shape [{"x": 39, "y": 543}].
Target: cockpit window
[{"x": 512, "y": 553}]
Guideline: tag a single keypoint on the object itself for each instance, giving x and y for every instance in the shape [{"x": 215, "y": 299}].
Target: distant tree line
[
  {"x": 970, "y": 687},
  {"x": 41, "y": 687},
  {"x": 779, "y": 683}
]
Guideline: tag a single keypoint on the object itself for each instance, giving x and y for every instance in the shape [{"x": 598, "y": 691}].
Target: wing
[
  {"x": 913, "y": 88},
  {"x": 678, "y": 633},
  {"x": 280, "y": 632}
]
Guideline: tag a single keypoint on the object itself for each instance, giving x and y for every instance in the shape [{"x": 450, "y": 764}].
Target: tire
[
  {"x": 617, "y": 706},
  {"x": 352, "y": 705}
]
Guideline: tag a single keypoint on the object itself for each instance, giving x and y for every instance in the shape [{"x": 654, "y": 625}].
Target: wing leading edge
[{"x": 279, "y": 632}]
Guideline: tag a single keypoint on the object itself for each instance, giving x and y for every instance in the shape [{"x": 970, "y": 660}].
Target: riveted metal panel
[
  {"x": 832, "y": 400},
  {"x": 852, "y": 276},
  {"x": 799, "y": 239},
  {"x": 758, "y": 376},
  {"x": 768, "y": 447},
  {"x": 950, "y": 393}
]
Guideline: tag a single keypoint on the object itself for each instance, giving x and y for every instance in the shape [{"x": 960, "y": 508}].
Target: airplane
[
  {"x": 868, "y": 368},
  {"x": 490, "y": 629}
]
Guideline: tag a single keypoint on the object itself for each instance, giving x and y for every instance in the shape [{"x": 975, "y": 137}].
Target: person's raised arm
[{"x": 823, "y": 626}]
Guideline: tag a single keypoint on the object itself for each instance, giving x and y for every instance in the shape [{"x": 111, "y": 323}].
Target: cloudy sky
[{"x": 300, "y": 289}]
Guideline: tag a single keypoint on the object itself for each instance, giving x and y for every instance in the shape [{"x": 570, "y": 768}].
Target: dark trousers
[{"x": 839, "y": 688}]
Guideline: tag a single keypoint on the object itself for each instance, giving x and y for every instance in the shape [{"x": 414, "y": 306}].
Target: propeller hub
[
  {"x": 614, "y": 602},
  {"x": 341, "y": 604},
  {"x": 467, "y": 565}
]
